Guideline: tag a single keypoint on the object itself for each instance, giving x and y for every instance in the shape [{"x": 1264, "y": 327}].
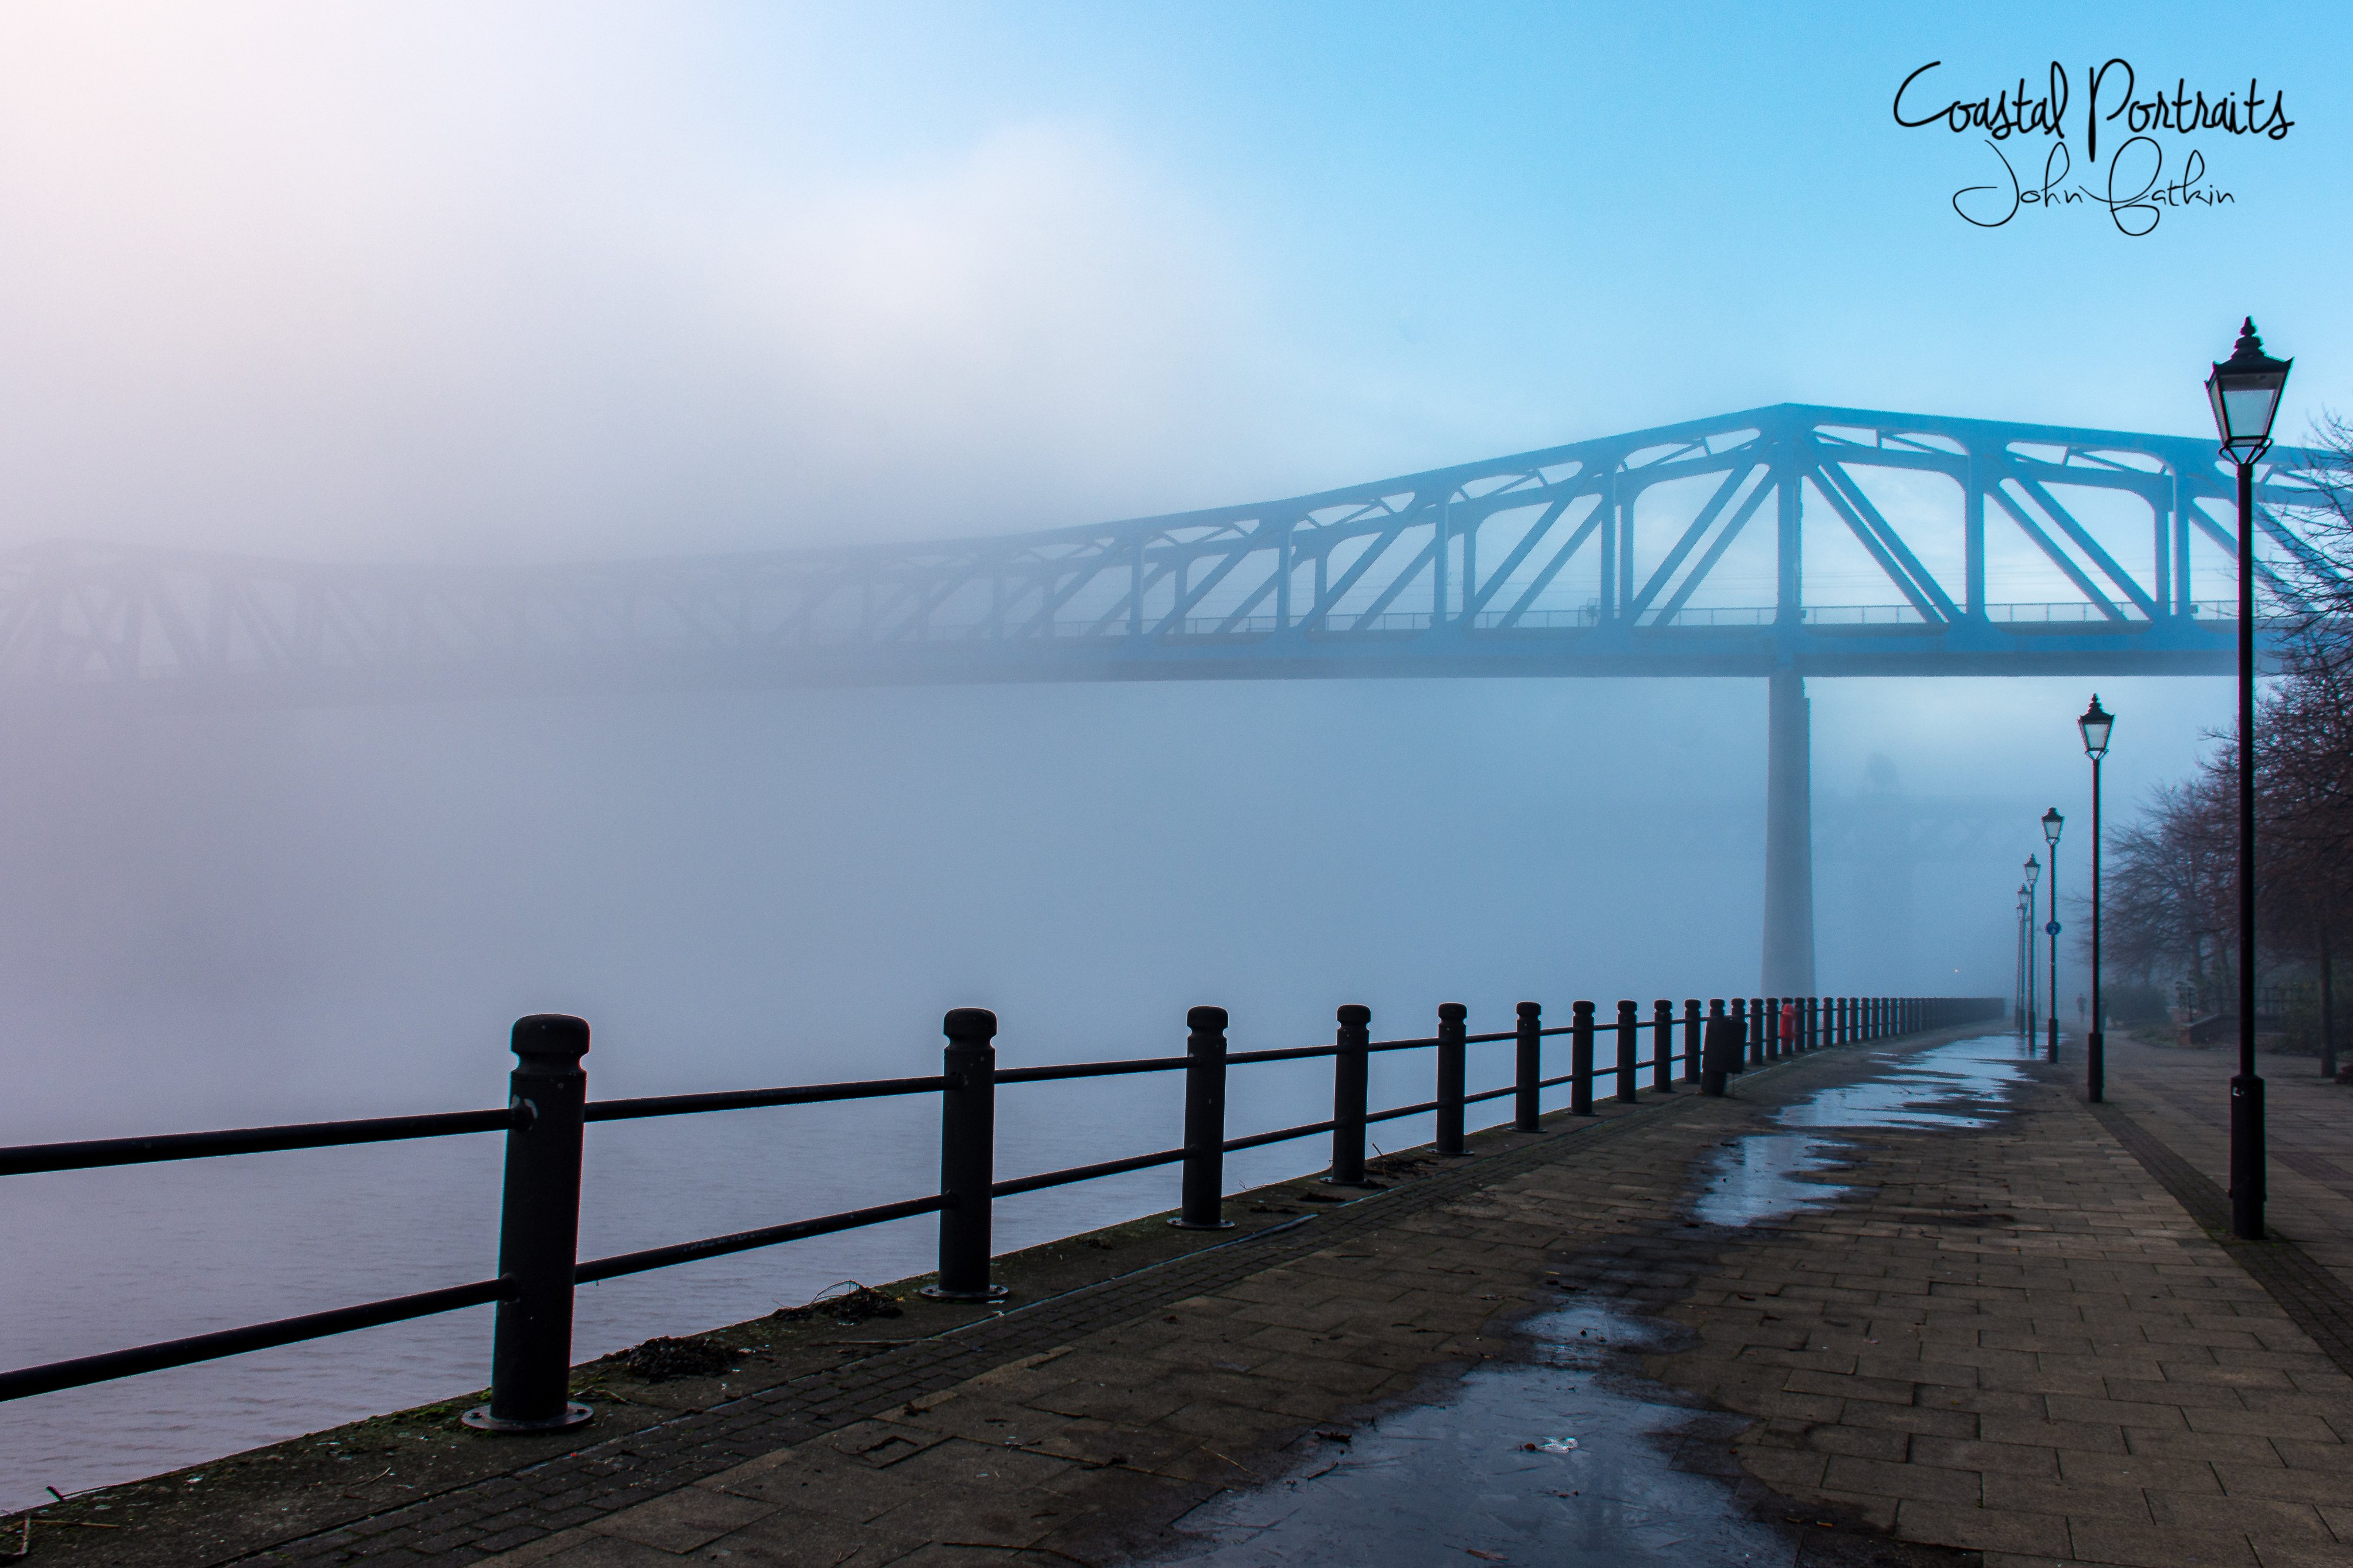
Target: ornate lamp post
[
  {"x": 2052, "y": 823},
  {"x": 2245, "y": 391},
  {"x": 2033, "y": 879},
  {"x": 2095, "y": 724}
]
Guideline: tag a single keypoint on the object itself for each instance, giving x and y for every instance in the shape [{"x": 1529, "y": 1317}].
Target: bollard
[
  {"x": 1205, "y": 1122},
  {"x": 1450, "y": 1030},
  {"x": 1628, "y": 1041},
  {"x": 1527, "y": 1067},
  {"x": 1722, "y": 1051},
  {"x": 1663, "y": 1046},
  {"x": 1813, "y": 1023},
  {"x": 1740, "y": 1016},
  {"x": 967, "y": 1156},
  {"x": 1771, "y": 1024},
  {"x": 1349, "y": 1070},
  {"x": 1692, "y": 1027},
  {"x": 539, "y": 1233},
  {"x": 1580, "y": 1060},
  {"x": 1756, "y": 1030}
]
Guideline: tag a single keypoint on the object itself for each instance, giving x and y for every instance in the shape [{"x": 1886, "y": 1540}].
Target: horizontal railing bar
[
  {"x": 1492, "y": 1094},
  {"x": 754, "y": 1099},
  {"x": 1083, "y": 1173},
  {"x": 1291, "y": 1054},
  {"x": 1091, "y": 1070},
  {"x": 745, "y": 1240},
  {"x": 97, "y": 1153},
  {"x": 1483, "y": 1039},
  {"x": 25, "y": 1381},
  {"x": 1400, "y": 1045},
  {"x": 1402, "y": 1111},
  {"x": 1280, "y": 1135}
]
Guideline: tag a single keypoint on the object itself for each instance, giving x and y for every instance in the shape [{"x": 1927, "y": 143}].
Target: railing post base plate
[
  {"x": 574, "y": 1415},
  {"x": 1180, "y": 1223},
  {"x": 992, "y": 1293}
]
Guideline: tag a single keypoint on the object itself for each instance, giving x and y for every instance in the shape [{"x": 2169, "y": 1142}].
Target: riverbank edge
[{"x": 342, "y": 1478}]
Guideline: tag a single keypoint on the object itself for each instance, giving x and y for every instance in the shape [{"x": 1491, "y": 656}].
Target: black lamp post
[
  {"x": 2245, "y": 391},
  {"x": 2052, "y": 822},
  {"x": 2033, "y": 879},
  {"x": 2025, "y": 912},
  {"x": 2095, "y": 724}
]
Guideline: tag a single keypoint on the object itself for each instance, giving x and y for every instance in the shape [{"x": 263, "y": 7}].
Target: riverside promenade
[{"x": 2002, "y": 1327}]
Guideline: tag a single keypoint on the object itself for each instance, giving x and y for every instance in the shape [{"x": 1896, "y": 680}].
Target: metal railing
[{"x": 548, "y": 1108}]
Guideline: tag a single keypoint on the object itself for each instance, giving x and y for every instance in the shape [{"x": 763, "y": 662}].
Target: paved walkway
[{"x": 2015, "y": 1343}]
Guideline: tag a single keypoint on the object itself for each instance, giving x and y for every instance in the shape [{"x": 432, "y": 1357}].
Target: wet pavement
[
  {"x": 1573, "y": 1456},
  {"x": 1767, "y": 1176},
  {"x": 1566, "y": 1458}
]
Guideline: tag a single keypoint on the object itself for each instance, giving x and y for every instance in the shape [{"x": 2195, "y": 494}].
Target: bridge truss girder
[{"x": 1554, "y": 562}]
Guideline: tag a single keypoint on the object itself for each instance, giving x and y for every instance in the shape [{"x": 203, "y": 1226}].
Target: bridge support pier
[{"x": 1789, "y": 838}]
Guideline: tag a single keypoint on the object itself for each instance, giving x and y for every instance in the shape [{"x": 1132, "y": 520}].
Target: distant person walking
[{"x": 1788, "y": 1027}]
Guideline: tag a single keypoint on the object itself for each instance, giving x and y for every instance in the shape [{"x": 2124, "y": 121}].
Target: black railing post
[
  {"x": 1756, "y": 1030},
  {"x": 1450, "y": 1049},
  {"x": 1527, "y": 1067},
  {"x": 1663, "y": 1046},
  {"x": 1692, "y": 1027},
  {"x": 539, "y": 1232},
  {"x": 1775, "y": 1046},
  {"x": 1349, "y": 1071},
  {"x": 1628, "y": 1042},
  {"x": 1580, "y": 1060},
  {"x": 1747, "y": 1035},
  {"x": 1205, "y": 1122},
  {"x": 967, "y": 1156},
  {"x": 1813, "y": 1023}
]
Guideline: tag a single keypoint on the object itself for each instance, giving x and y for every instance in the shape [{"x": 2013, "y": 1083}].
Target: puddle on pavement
[
  {"x": 1565, "y": 1460},
  {"x": 1767, "y": 1176},
  {"x": 1961, "y": 1083},
  {"x": 1763, "y": 1176}
]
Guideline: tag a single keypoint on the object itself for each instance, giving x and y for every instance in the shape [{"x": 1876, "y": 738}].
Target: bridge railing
[{"x": 548, "y": 1109}]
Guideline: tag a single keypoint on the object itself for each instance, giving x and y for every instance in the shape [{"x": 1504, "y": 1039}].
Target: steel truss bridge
[{"x": 1681, "y": 551}]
